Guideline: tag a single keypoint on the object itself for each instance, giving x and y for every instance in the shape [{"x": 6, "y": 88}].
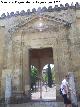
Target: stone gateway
[{"x": 54, "y": 31}]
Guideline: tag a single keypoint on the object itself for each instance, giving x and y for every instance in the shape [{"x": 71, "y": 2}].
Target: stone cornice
[{"x": 39, "y": 10}]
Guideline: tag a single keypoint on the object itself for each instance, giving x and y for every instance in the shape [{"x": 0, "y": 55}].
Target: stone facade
[{"x": 57, "y": 28}]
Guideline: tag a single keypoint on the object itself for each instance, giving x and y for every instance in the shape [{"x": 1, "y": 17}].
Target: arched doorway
[
  {"x": 42, "y": 59},
  {"x": 33, "y": 43}
]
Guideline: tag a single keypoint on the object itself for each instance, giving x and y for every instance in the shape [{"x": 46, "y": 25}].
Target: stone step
[{"x": 38, "y": 104}]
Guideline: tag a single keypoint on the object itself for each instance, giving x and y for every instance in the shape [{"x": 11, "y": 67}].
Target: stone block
[
  {"x": 67, "y": 5},
  {"x": 39, "y": 10},
  {"x": 12, "y": 14},
  {"x": 22, "y": 13},
  {"x": 72, "y": 6},
  {"x": 44, "y": 9},
  {"x": 16, "y": 13},
  {"x": 56, "y": 8},
  {"x": 3, "y": 16},
  {"x": 77, "y": 5},
  {"x": 50, "y": 9},
  {"x": 7, "y": 15},
  {"x": 33, "y": 10},
  {"x": 62, "y": 7},
  {"x": 28, "y": 12}
]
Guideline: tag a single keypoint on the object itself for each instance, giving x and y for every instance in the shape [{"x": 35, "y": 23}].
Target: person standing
[{"x": 65, "y": 92}]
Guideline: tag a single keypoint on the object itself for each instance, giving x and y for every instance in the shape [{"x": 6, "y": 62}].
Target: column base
[{"x": 17, "y": 98}]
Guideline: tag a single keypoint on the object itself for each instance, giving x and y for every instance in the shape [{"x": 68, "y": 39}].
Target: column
[
  {"x": 73, "y": 90},
  {"x": 26, "y": 73}
]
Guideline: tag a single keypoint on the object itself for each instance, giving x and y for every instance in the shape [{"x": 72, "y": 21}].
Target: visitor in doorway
[{"x": 65, "y": 91}]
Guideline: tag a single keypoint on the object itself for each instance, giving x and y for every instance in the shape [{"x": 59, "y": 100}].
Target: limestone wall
[{"x": 19, "y": 34}]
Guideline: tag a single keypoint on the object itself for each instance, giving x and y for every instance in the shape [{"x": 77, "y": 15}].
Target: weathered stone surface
[
  {"x": 3, "y": 15},
  {"x": 39, "y": 10},
  {"x": 22, "y": 13},
  {"x": 28, "y": 12},
  {"x": 50, "y": 9},
  {"x": 34, "y": 10},
  {"x": 39, "y": 104},
  {"x": 66, "y": 5},
  {"x": 59, "y": 30},
  {"x": 56, "y": 8},
  {"x": 44, "y": 9},
  {"x": 77, "y": 5},
  {"x": 12, "y": 14},
  {"x": 72, "y": 6},
  {"x": 61, "y": 6},
  {"x": 7, "y": 15},
  {"x": 17, "y": 13}
]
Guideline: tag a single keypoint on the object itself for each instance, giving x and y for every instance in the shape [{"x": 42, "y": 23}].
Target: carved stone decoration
[
  {"x": 44, "y": 9},
  {"x": 3, "y": 15},
  {"x": 40, "y": 25}
]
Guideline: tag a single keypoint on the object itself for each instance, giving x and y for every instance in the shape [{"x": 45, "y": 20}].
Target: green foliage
[
  {"x": 33, "y": 74},
  {"x": 33, "y": 77},
  {"x": 49, "y": 76},
  {"x": 45, "y": 75}
]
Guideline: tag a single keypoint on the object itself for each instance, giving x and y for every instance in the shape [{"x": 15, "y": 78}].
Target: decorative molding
[
  {"x": 40, "y": 23},
  {"x": 39, "y": 10}
]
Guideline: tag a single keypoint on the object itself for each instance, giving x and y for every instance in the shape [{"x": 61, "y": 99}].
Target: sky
[
  {"x": 46, "y": 66},
  {"x": 16, "y": 5}
]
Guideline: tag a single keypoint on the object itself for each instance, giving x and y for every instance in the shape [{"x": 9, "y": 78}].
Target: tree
[
  {"x": 33, "y": 77},
  {"x": 49, "y": 76}
]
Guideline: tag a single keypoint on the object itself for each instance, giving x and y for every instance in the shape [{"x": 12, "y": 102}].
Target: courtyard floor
[{"x": 46, "y": 93}]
